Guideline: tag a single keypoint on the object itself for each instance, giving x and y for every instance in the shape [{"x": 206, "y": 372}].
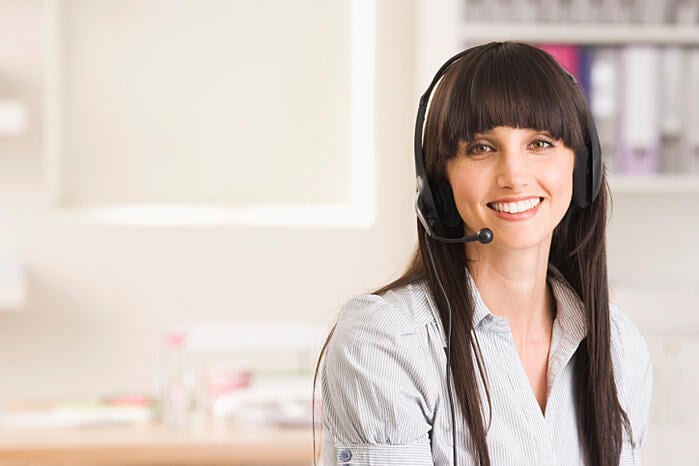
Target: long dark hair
[{"x": 518, "y": 85}]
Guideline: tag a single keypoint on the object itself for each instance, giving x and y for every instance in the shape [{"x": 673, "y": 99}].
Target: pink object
[
  {"x": 567, "y": 55},
  {"x": 224, "y": 379},
  {"x": 175, "y": 339}
]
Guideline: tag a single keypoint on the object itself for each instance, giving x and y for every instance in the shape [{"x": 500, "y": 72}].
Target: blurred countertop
[{"x": 153, "y": 444}]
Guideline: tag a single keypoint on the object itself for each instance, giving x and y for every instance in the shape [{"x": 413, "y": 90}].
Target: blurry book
[
  {"x": 671, "y": 90},
  {"x": 567, "y": 55},
  {"x": 579, "y": 10},
  {"x": 591, "y": 9},
  {"x": 604, "y": 101},
  {"x": 640, "y": 135},
  {"x": 586, "y": 55},
  {"x": 686, "y": 12},
  {"x": 690, "y": 161},
  {"x": 475, "y": 10},
  {"x": 550, "y": 10},
  {"x": 650, "y": 11},
  {"x": 616, "y": 11},
  {"x": 490, "y": 10},
  {"x": 282, "y": 401},
  {"x": 78, "y": 414},
  {"x": 523, "y": 10}
]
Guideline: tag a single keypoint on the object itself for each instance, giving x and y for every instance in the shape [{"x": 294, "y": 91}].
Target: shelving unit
[
  {"x": 580, "y": 33},
  {"x": 452, "y": 30},
  {"x": 655, "y": 184}
]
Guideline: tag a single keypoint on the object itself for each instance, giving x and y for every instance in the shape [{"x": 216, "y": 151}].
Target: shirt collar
[
  {"x": 481, "y": 313},
  {"x": 569, "y": 323},
  {"x": 570, "y": 314}
]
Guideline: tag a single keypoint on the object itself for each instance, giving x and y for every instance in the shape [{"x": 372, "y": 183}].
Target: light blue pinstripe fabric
[{"x": 384, "y": 392}]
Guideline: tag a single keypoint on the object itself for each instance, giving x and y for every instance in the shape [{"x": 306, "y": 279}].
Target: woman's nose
[{"x": 513, "y": 169}]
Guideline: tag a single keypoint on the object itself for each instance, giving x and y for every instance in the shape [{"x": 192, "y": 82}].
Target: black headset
[{"x": 434, "y": 203}]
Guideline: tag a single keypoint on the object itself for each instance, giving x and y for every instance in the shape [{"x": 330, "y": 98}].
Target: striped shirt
[{"x": 384, "y": 390}]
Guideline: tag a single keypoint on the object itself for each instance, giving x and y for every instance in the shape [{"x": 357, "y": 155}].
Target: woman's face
[{"x": 517, "y": 182}]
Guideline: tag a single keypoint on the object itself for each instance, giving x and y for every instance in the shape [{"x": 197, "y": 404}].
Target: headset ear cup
[
  {"x": 444, "y": 201},
  {"x": 581, "y": 184},
  {"x": 595, "y": 162},
  {"x": 587, "y": 174}
]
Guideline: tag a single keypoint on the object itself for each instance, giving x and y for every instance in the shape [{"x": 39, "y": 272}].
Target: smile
[{"x": 515, "y": 207}]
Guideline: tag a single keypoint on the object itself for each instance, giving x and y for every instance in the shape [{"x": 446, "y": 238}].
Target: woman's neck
[{"x": 514, "y": 286}]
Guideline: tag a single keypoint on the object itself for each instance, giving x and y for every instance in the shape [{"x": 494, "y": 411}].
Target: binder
[
  {"x": 650, "y": 11},
  {"x": 567, "y": 55},
  {"x": 475, "y": 10},
  {"x": 604, "y": 101},
  {"x": 640, "y": 132},
  {"x": 549, "y": 10},
  {"x": 582, "y": 10},
  {"x": 616, "y": 11},
  {"x": 686, "y": 12},
  {"x": 690, "y": 161},
  {"x": 671, "y": 88},
  {"x": 522, "y": 10},
  {"x": 488, "y": 10},
  {"x": 593, "y": 11},
  {"x": 586, "y": 56}
]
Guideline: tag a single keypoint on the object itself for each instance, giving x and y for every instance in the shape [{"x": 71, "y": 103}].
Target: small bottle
[{"x": 176, "y": 386}]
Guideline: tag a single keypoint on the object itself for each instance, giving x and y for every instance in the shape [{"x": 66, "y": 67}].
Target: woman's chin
[{"x": 520, "y": 241}]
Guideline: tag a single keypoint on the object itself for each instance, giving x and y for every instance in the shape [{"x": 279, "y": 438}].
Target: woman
[{"x": 502, "y": 352}]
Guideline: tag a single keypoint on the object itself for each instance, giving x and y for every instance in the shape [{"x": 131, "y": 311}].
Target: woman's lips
[{"x": 516, "y": 209}]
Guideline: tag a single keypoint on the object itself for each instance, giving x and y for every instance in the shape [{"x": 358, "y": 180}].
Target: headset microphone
[
  {"x": 429, "y": 214},
  {"x": 484, "y": 236}
]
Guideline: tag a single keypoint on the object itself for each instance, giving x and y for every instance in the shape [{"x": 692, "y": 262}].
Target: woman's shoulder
[
  {"x": 630, "y": 352},
  {"x": 379, "y": 383},
  {"x": 633, "y": 372},
  {"x": 626, "y": 338},
  {"x": 401, "y": 310}
]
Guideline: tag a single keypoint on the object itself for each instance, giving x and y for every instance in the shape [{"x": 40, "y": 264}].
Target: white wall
[
  {"x": 101, "y": 294},
  {"x": 653, "y": 257},
  {"x": 194, "y": 98}
]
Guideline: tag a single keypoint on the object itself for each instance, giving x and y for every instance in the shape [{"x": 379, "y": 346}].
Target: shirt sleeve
[
  {"x": 634, "y": 377},
  {"x": 376, "y": 407}
]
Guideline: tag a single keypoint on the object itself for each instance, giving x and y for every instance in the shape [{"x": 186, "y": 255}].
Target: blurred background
[{"x": 190, "y": 190}]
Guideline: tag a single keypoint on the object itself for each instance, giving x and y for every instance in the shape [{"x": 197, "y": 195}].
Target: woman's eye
[
  {"x": 541, "y": 144},
  {"x": 478, "y": 149}
]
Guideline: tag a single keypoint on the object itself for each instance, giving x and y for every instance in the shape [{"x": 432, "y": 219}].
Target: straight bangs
[{"x": 505, "y": 84}]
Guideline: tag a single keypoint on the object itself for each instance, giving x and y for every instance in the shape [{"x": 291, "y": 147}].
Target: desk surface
[{"x": 156, "y": 445}]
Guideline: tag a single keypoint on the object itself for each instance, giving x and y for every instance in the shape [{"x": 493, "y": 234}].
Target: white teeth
[{"x": 516, "y": 207}]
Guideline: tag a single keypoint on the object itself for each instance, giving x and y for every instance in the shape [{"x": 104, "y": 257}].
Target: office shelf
[
  {"x": 580, "y": 33},
  {"x": 654, "y": 184}
]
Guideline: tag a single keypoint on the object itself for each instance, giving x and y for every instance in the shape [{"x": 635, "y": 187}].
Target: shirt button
[{"x": 345, "y": 455}]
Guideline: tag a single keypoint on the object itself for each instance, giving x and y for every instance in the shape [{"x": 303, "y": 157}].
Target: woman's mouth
[{"x": 515, "y": 207}]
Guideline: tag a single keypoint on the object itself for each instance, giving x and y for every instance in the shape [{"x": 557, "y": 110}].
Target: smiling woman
[
  {"x": 514, "y": 324},
  {"x": 509, "y": 175}
]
